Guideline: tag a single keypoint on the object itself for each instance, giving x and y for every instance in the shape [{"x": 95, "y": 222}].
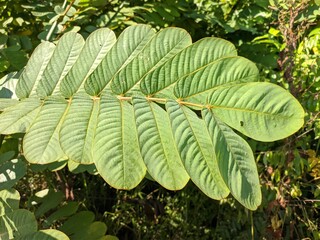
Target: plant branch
[
  {"x": 1, "y": 139},
  {"x": 56, "y": 21}
]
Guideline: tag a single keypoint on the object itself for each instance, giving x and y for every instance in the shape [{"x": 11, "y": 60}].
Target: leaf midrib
[{"x": 278, "y": 115}]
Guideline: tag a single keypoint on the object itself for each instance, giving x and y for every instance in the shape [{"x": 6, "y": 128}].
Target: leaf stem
[
  {"x": 1, "y": 139},
  {"x": 164, "y": 100},
  {"x": 190, "y": 104},
  {"x": 60, "y": 17},
  {"x": 157, "y": 99}
]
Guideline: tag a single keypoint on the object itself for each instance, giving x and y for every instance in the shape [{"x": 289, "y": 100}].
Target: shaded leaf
[
  {"x": 9, "y": 201},
  {"x": 48, "y": 200},
  {"x": 18, "y": 223},
  {"x": 77, "y": 222},
  {"x": 11, "y": 172},
  {"x": 64, "y": 211},
  {"x": 95, "y": 231}
]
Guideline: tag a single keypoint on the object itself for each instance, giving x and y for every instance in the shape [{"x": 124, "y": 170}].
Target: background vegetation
[{"x": 281, "y": 36}]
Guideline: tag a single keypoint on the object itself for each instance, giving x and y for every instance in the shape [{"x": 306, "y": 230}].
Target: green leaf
[
  {"x": 196, "y": 151},
  {"x": 78, "y": 129},
  {"x": 147, "y": 69},
  {"x": 189, "y": 60},
  {"x": 262, "y": 111},
  {"x": 129, "y": 44},
  {"x": 8, "y": 84},
  {"x": 48, "y": 200},
  {"x": 95, "y": 49},
  {"x": 65, "y": 211},
  {"x": 47, "y": 234},
  {"x": 54, "y": 166},
  {"x": 63, "y": 58},
  {"x": 11, "y": 143},
  {"x": 77, "y": 222},
  {"x": 11, "y": 172},
  {"x": 116, "y": 150},
  {"x": 7, "y": 102},
  {"x": 16, "y": 58},
  {"x": 17, "y": 224},
  {"x": 95, "y": 231},
  {"x": 110, "y": 237},
  {"x": 18, "y": 118},
  {"x": 163, "y": 46},
  {"x": 33, "y": 72},
  {"x": 81, "y": 226},
  {"x": 9, "y": 201},
  {"x": 79, "y": 168},
  {"x": 6, "y": 156},
  {"x": 41, "y": 142},
  {"x": 157, "y": 145},
  {"x": 203, "y": 80},
  {"x": 235, "y": 160}
]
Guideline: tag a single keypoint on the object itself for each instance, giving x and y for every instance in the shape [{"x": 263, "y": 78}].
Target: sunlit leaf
[
  {"x": 235, "y": 160},
  {"x": 262, "y": 111},
  {"x": 157, "y": 145},
  {"x": 41, "y": 142},
  {"x": 116, "y": 151},
  {"x": 196, "y": 151}
]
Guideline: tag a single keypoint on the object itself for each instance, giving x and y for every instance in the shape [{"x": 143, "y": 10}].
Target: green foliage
[
  {"x": 18, "y": 223},
  {"x": 11, "y": 170},
  {"x": 94, "y": 125},
  {"x": 51, "y": 210}
]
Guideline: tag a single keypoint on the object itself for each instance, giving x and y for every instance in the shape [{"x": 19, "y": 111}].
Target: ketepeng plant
[{"x": 150, "y": 102}]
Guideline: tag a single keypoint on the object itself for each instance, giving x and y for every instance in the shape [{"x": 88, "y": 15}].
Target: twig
[{"x": 56, "y": 22}]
